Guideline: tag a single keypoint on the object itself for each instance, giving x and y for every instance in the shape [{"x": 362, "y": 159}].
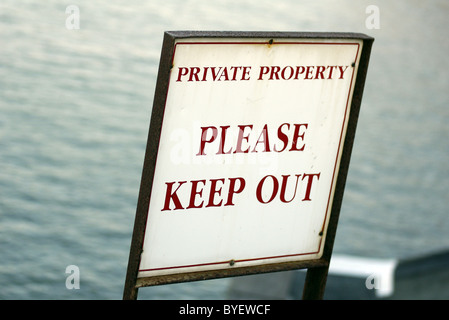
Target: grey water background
[{"x": 74, "y": 115}]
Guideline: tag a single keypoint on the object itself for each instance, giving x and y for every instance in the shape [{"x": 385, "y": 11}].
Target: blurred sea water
[{"x": 74, "y": 114}]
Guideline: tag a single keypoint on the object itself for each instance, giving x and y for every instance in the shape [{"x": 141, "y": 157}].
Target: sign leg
[
  {"x": 315, "y": 283},
  {"x": 130, "y": 293}
]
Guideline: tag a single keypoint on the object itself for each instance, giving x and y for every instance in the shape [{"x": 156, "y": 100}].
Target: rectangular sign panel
[{"x": 250, "y": 141}]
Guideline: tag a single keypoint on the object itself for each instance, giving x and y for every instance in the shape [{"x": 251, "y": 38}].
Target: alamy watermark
[
  {"x": 382, "y": 283},
  {"x": 72, "y": 22},
  {"x": 73, "y": 279},
  {"x": 216, "y": 146},
  {"x": 373, "y": 19}
]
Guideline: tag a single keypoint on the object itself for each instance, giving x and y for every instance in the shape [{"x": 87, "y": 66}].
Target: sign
[{"x": 245, "y": 152}]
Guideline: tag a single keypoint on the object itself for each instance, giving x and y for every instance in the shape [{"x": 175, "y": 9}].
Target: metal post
[
  {"x": 130, "y": 293},
  {"x": 315, "y": 283}
]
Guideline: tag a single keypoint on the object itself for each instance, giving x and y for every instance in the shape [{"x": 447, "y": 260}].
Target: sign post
[{"x": 247, "y": 155}]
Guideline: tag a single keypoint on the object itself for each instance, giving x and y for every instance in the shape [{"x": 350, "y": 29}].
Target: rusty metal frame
[{"x": 316, "y": 269}]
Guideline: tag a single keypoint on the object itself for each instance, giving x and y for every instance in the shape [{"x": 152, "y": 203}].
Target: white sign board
[{"x": 251, "y": 140}]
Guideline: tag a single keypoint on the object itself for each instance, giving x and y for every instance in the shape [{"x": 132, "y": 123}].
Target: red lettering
[
  {"x": 233, "y": 190},
  {"x": 205, "y": 73},
  {"x": 263, "y": 70},
  {"x": 342, "y": 71},
  {"x": 193, "y": 194},
  {"x": 284, "y": 187},
  {"x": 282, "y": 136},
  {"x": 169, "y": 195},
  {"x": 309, "y": 184},
  {"x": 214, "y": 75},
  {"x": 222, "y": 140},
  {"x": 234, "y": 75},
  {"x": 243, "y": 142},
  {"x": 283, "y": 73},
  {"x": 296, "y": 136},
  {"x": 245, "y": 73},
  {"x": 309, "y": 70},
  {"x": 273, "y": 193},
  {"x": 319, "y": 71},
  {"x": 224, "y": 72},
  {"x": 265, "y": 141},
  {"x": 241, "y": 137},
  {"x": 204, "y": 140},
  {"x": 274, "y": 72},
  {"x": 297, "y": 73},
  {"x": 194, "y": 73},
  {"x": 196, "y": 199},
  {"x": 214, "y": 191},
  {"x": 182, "y": 72},
  {"x": 331, "y": 69}
]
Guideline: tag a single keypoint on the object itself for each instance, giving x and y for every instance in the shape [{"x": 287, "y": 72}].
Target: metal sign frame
[{"x": 316, "y": 269}]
